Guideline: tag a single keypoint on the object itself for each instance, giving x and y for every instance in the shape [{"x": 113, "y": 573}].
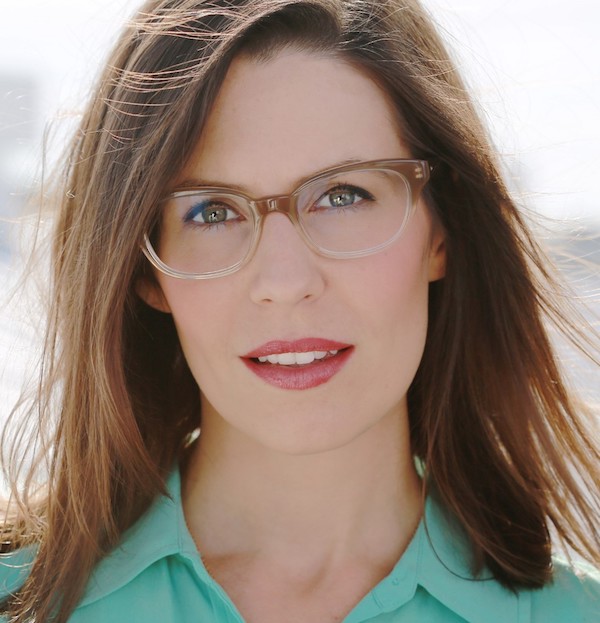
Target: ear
[
  {"x": 149, "y": 290},
  {"x": 437, "y": 254}
]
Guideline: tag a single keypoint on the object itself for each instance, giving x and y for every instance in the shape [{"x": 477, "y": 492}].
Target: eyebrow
[{"x": 195, "y": 182}]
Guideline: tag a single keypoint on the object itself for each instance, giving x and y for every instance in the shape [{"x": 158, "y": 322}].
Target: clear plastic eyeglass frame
[{"x": 415, "y": 172}]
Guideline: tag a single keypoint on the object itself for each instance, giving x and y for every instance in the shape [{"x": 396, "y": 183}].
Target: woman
[{"x": 282, "y": 224}]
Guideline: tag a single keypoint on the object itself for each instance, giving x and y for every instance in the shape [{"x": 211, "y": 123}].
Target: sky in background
[{"x": 533, "y": 64}]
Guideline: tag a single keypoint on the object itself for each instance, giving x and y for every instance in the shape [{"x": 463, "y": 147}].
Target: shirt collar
[
  {"x": 445, "y": 571},
  {"x": 437, "y": 559},
  {"x": 14, "y": 569},
  {"x": 159, "y": 533}
]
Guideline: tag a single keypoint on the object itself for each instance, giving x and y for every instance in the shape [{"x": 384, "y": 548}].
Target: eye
[
  {"x": 343, "y": 196},
  {"x": 210, "y": 212}
]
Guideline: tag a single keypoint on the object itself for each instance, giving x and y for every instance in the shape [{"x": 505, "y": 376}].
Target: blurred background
[{"x": 534, "y": 66}]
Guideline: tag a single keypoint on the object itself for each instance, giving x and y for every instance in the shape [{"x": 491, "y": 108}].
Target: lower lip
[{"x": 300, "y": 377}]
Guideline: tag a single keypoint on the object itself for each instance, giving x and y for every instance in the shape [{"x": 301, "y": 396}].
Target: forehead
[{"x": 277, "y": 121}]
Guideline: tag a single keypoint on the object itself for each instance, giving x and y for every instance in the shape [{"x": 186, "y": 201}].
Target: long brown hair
[{"x": 490, "y": 415}]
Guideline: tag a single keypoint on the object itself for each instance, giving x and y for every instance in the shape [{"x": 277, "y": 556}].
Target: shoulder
[
  {"x": 446, "y": 562},
  {"x": 573, "y": 595},
  {"x": 14, "y": 569}
]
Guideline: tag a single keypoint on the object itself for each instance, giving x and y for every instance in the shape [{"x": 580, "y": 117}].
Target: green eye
[
  {"x": 210, "y": 213},
  {"x": 343, "y": 196},
  {"x": 214, "y": 215}
]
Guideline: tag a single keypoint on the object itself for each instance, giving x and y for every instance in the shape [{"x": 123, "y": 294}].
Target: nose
[{"x": 284, "y": 269}]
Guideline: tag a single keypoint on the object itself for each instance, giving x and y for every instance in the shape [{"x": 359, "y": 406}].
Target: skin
[{"x": 302, "y": 500}]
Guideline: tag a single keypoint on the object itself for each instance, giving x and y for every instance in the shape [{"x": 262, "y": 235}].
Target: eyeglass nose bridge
[
  {"x": 284, "y": 204},
  {"x": 278, "y": 203}
]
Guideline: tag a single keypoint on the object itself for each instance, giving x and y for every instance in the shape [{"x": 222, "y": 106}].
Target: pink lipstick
[{"x": 298, "y": 364}]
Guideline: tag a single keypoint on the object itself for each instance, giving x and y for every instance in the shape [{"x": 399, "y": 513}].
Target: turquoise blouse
[{"x": 156, "y": 575}]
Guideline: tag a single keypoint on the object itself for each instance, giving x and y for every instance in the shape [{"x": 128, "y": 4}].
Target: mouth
[{"x": 301, "y": 364}]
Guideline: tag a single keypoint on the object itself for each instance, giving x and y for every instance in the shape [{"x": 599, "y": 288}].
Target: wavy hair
[{"x": 491, "y": 417}]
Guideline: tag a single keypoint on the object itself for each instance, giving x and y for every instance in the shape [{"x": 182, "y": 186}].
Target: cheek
[
  {"x": 396, "y": 280},
  {"x": 394, "y": 291},
  {"x": 202, "y": 320}
]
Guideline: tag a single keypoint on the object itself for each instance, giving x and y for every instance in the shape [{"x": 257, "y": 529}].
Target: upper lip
[{"x": 304, "y": 345}]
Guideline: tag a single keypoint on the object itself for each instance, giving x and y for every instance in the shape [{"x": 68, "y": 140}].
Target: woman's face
[{"x": 274, "y": 123}]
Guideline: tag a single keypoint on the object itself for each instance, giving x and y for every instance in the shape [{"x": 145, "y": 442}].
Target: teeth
[
  {"x": 304, "y": 358},
  {"x": 291, "y": 359},
  {"x": 285, "y": 359}
]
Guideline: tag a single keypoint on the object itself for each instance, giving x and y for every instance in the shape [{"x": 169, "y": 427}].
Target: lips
[{"x": 298, "y": 364}]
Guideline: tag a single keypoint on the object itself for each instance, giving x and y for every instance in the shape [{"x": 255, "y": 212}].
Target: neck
[{"x": 362, "y": 500}]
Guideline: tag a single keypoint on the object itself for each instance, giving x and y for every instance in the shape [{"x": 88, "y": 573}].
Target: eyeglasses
[{"x": 345, "y": 212}]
